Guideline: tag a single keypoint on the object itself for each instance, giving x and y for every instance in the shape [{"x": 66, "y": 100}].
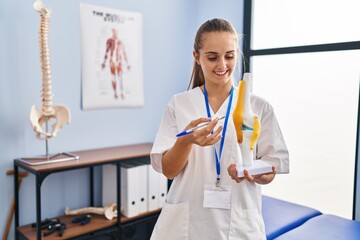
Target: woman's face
[{"x": 217, "y": 57}]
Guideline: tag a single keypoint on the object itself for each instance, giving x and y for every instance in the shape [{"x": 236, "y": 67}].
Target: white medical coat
[{"x": 183, "y": 215}]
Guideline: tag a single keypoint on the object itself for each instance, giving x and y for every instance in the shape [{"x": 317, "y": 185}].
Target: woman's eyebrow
[
  {"x": 231, "y": 51},
  {"x": 211, "y": 53}
]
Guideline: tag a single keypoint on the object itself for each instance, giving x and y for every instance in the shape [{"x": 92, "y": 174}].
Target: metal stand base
[{"x": 49, "y": 159}]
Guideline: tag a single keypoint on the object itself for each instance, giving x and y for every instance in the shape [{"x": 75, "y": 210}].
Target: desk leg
[
  {"x": 16, "y": 199},
  {"x": 38, "y": 206},
  {"x": 92, "y": 186},
  {"x": 118, "y": 196}
]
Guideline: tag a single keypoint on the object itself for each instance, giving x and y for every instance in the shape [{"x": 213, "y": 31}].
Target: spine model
[{"x": 59, "y": 113}]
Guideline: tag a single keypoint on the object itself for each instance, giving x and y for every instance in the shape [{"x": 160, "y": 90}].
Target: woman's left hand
[{"x": 260, "y": 179}]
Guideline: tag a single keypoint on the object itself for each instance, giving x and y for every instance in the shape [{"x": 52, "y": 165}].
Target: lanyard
[{"x": 218, "y": 157}]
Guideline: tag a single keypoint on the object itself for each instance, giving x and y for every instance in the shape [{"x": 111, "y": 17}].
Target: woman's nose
[{"x": 222, "y": 63}]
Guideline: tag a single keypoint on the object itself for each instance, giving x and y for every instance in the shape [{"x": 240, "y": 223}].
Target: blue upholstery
[
  {"x": 281, "y": 216},
  {"x": 325, "y": 227}
]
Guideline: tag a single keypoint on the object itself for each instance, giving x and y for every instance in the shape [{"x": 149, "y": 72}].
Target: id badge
[{"x": 217, "y": 197}]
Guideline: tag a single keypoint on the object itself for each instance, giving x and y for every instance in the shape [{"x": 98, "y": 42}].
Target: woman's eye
[{"x": 229, "y": 57}]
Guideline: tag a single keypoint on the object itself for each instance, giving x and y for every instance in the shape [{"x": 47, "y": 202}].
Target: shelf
[
  {"x": 98, "y": 222},
  {"x": 88, "y": 159},
  {"x": 92, "y": 157}
]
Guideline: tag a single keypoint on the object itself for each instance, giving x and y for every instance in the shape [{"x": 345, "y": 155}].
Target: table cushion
[
  {"x": 325, "y": 227},
  {"x": 281, "y": 216}
]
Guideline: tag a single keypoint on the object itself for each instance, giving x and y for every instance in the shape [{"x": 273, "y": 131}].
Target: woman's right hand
[
  {"x": 203, "y": 136},
  {"x": 174, "y": 160}
]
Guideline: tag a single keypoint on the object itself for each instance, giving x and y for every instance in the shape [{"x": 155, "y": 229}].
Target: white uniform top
[{"x": 183, "y": 215}]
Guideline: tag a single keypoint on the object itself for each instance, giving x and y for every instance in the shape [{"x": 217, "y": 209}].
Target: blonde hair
[{"x": 213, "y": 25}]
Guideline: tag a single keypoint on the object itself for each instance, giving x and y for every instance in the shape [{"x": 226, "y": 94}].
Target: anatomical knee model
[
  {"x": 40, "y": 117},
  {"x": 248, "y": 127}
]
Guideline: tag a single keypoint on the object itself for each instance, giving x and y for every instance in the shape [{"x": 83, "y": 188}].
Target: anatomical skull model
[
  {"x": 39, "y": 118},
  {"x": 248, "y": 127}
]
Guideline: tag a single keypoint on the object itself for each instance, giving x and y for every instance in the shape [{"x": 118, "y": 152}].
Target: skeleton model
[
  {"x": 59, "y": 114},
  {"x": 40, "y": 118},
  {"x": 248, "y": 127},
  {"x": 109, "y": 211}
]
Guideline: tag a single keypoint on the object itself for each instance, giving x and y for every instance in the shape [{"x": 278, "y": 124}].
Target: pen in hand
[{"x": 191, "y": 130}]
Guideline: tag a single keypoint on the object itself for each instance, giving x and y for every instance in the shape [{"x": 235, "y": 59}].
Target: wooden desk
[{"x": 88, "y": 159}]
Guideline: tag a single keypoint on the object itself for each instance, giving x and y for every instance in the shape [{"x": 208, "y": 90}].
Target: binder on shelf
[
  {"x": 142, "y": 188},
  {"x": 153, "y": 188},
  {"x": 157, "y": 188},
  {"x": 142, "y": 182},
  {"x": 162, "y": 189},
  {"x": 130, "y": 190},
  {"x": 109, "y": 184}
]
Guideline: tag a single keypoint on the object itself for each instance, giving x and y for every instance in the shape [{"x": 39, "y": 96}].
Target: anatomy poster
[{"x": 111, "y": 43}]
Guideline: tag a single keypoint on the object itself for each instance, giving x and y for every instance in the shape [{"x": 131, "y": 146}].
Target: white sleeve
[
  {"x": 165, "y": 137},
  {"x": 271, "y": 146}
]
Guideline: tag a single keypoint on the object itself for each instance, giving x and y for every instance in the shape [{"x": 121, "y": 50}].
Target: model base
[
  {"x": 49, "y": 159},
  {"x": 258, "y": 167}
]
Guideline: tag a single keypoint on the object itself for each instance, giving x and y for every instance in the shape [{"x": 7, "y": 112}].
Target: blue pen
[{"x": 191, "y": 130}]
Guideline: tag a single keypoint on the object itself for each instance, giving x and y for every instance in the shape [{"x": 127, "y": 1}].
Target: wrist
[
  {"x": 265, "y": 179},
  {"x": 184, "y": 142}
]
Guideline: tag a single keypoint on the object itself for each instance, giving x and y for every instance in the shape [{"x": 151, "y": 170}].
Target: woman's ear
[{"x": 196, "y": 57}]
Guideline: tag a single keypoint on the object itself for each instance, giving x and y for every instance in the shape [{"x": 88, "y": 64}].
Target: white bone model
[
  {"x": 40, "y": 118},
  {"x": 248, "y": 127},
  {"x": 109, "y": 211}
]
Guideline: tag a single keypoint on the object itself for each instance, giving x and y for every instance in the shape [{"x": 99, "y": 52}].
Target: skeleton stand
[{"x": 49, "y": 158}]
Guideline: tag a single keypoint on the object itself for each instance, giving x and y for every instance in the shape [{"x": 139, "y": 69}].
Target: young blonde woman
[{"x": 206, "y": 199}]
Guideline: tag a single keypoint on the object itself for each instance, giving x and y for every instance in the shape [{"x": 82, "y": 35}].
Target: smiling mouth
[{"x": 221, "y": 73}]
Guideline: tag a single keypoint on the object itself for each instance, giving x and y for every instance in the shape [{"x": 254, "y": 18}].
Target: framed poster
[{"x": 111, "y": 44}]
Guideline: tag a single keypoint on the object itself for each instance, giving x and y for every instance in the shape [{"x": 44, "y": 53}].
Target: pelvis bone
[{"x": 40, "y": 118}]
